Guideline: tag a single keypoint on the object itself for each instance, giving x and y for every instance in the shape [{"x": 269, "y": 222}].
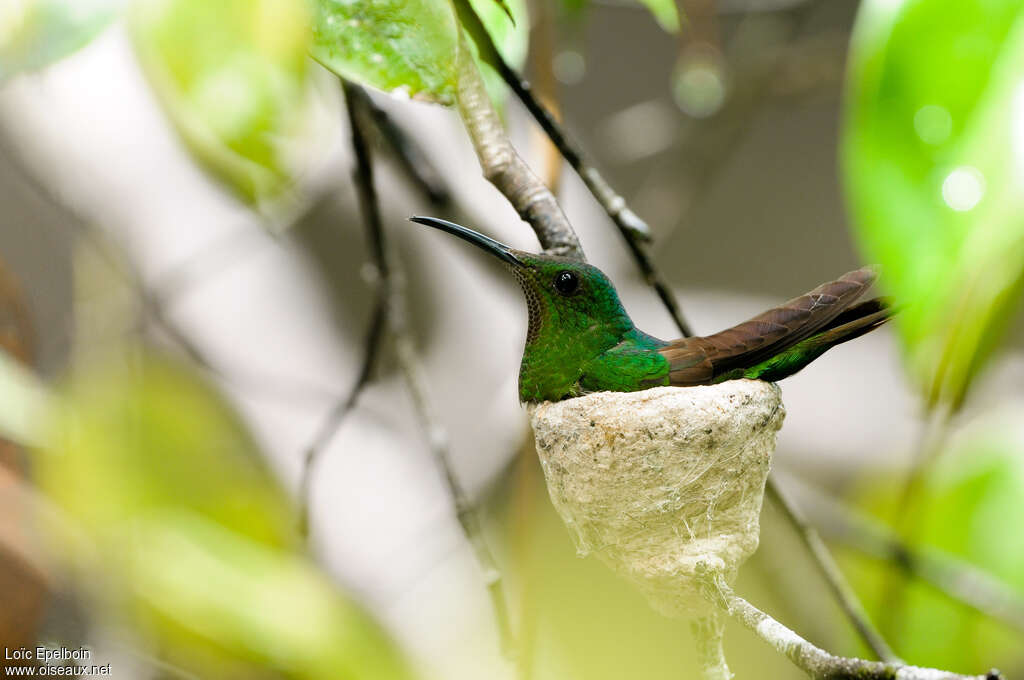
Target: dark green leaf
[{"x": 405, "y": 47}]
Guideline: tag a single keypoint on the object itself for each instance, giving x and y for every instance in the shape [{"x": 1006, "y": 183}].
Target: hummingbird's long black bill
[{"x": 486, "y": 243}]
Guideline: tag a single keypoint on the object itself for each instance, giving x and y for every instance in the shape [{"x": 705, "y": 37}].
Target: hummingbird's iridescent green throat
[{"x": 581, "y": 340}]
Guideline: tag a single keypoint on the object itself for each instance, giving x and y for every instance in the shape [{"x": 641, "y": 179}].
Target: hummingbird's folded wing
[{"x": 703, "y": 360}]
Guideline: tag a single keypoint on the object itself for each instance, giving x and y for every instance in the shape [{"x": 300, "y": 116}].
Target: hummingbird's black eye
[{"x": 566, "y": 282}]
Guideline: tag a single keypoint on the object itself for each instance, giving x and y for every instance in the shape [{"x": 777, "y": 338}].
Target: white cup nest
[{"x": 660, "y": 481}]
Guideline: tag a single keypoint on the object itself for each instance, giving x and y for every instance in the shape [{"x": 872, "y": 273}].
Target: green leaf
[
  {"x": 168, "y": 504},
  {"x": 36, "y": 33},
  {"x": 933, "y": 160},
  {"x": 233, "y": 76},
  {"x": 665, "y": 13},
  {"x": 216, "y": 589},
  {"x": 405, "y": 47}
]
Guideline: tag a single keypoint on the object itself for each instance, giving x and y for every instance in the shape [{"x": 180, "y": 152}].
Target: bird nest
[{"x": 662, "y": 482}]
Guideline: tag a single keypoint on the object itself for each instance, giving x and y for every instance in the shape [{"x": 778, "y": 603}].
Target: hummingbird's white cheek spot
[{"x": 664, "y": 482}]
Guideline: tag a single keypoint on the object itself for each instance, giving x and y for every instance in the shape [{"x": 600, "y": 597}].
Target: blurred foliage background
[{"x": 189, "y": 293}]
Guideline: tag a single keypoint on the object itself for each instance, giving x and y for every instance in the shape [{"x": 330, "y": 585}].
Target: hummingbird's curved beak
[{"x": 496, "y": 248}]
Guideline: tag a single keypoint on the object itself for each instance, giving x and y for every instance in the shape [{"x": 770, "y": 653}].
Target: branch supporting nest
[{"x": 813, "y": 660}]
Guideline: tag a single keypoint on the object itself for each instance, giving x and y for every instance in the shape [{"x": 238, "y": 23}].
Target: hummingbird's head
[{"x": 569, "y": 301}]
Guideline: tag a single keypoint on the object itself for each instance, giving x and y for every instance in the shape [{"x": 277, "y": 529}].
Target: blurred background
[{"x": 129, "y": 240}]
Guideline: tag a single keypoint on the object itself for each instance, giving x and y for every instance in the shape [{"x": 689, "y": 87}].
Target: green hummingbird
[{"x": 580, "y": 339}]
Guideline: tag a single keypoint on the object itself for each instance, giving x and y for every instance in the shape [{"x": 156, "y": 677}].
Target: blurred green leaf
[
  {"x": 194, "y": 541},
  {"x": 216, "y": 588},
  {"x": 933, "y": 160},
  {"x": 405, "y": 47},
  {"x": 233, "y": 75},
  {"x": 665, "y": 12},
  {"x": 970, "y": 507},
  {"x": 36, "y": 33}
]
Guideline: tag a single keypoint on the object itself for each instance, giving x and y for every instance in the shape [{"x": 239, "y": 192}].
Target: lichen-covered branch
[
  {"x": 505, "y": 169},
  {"x": 813, "y": 660}
]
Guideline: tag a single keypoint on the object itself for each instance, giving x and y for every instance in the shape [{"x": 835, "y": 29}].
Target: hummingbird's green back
[{"x": 579, "y": 338}]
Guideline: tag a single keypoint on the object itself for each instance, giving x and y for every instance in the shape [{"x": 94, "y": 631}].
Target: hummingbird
[{"x": 581, "y": 340}]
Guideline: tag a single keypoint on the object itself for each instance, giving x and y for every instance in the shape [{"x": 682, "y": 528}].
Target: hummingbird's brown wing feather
[{"x": 696, "y": 361}]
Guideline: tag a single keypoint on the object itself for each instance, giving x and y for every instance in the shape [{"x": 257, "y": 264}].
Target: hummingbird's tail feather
[
  {"x": 793, "y": 359},
  {"x": 771, "y": 346}
]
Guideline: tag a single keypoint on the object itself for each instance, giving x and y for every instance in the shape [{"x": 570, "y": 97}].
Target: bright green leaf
[
  {"x": 234, "y": 77},
  {"x": 934, "y": 169},
  {"x": 190, "y": 535},
  {"x": 665, "y": 12},
  {"x": 406, "y": 47},
  {"x": 36, "y": 33}
]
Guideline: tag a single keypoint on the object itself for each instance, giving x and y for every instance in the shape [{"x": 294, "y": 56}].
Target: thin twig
[
  {"x": 814, "y": 661},
  {"x": 612, "y": 202},
  {"x": 416, "y": 164},
  {"x": 504, "y": 168},
  {"x": 362, "y": 176},
  {"x": 840, "y": 588},
  {"x": 393, "y": 283},
  {"x": 465, "y": 511},
  {"x": 934, "y": 430},
  {"x": 953, "y": 577}
]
